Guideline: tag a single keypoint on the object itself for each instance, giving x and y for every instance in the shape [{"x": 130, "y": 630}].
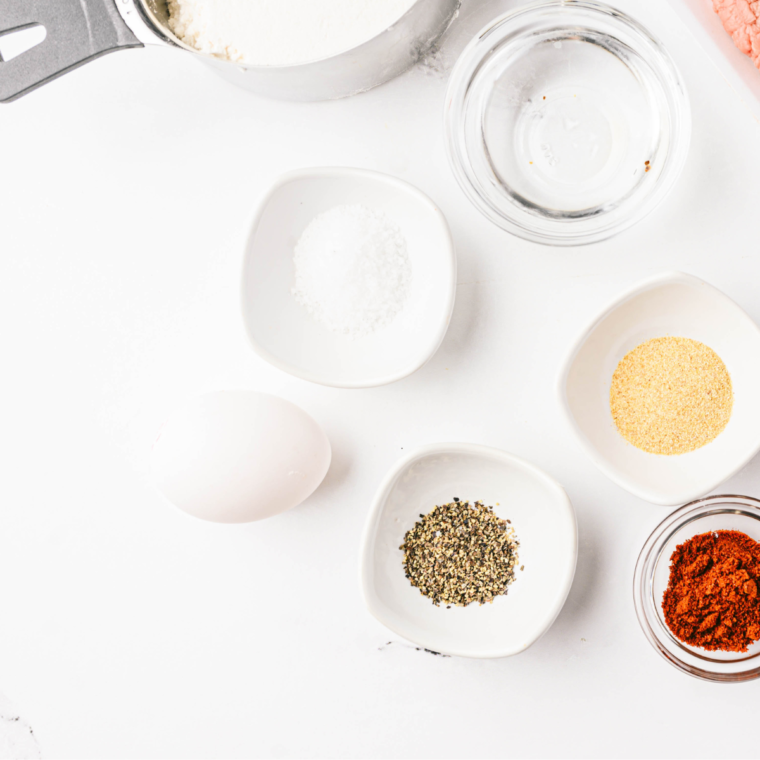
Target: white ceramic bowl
[
  {"x": 678, "y": 305},
  {"x": 280, "y": 329},
  {"x": 544, "y": 522}
]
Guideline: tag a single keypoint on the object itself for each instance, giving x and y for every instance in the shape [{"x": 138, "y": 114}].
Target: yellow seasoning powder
[{"x": 671, "y": 396}]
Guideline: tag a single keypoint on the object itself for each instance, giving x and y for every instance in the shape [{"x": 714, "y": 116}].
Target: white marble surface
[
  {"x": 130, "y": 630},
  {"x": 17, "y": 739}
]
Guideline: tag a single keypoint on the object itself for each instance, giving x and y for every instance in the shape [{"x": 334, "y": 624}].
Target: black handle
[{"x": 78, "y": 31}]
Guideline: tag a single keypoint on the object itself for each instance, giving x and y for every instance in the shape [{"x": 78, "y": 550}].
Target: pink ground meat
[{"x": 741, "y": 19}]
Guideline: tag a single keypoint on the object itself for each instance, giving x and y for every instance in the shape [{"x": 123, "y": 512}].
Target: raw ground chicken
[{"x": 741, "y": 19}]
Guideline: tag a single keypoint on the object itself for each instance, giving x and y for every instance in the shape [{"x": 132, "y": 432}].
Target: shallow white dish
[
  {"x": 678, "y": 305},
  {"x": 543, "y": 519},
  {"x": 282, "y": 332}
]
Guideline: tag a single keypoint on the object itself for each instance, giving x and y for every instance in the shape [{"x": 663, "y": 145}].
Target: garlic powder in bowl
[{"x": 671, "y": 395}]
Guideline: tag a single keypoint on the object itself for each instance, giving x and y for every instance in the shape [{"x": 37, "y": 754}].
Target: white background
[{"x": 131, "y": 630}]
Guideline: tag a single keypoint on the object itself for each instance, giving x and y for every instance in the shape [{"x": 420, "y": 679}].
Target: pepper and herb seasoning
[
  {"x": 460, "y": 553},
  {"x": 712, "y": 596}
]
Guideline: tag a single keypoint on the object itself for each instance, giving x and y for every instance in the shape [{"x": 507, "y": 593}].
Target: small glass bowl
[
  {"x": 566, "y": 122},
  {"x": 740, "y": 513}
]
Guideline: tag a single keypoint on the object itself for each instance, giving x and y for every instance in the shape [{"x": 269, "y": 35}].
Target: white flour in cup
[{"x": 281, "y": 32}]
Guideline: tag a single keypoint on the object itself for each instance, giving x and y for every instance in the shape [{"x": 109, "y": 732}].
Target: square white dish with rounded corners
[
  {"x": 544, "y": 523},
  {"x": 281, "y": 330},
  {"x": 677, "y": 305}
]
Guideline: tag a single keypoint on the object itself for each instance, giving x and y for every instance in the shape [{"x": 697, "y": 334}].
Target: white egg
[{"x": 239, "y": 456}]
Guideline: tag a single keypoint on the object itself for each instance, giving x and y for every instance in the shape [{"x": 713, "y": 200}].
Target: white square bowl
[
  {"x": 282, "y": 332},
  {"x": 669, "y": 304},
  {"x": 544, "y": 522}
]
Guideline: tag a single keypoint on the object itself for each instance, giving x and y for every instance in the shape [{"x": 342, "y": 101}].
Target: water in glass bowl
[
  {"x": 566, "y": 122},
  {"x": 569, "y": 126}
]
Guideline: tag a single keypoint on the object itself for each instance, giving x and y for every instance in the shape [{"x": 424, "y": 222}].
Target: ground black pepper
[{"x": 460, "y": 553}]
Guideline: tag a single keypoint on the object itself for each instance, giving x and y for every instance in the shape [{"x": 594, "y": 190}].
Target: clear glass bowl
[
  {"x": 566, "y": 122},
  {"x": 740, "y": 513}
]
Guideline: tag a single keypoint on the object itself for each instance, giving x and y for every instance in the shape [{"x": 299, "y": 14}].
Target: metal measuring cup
[{"x": 78, "y": 31}]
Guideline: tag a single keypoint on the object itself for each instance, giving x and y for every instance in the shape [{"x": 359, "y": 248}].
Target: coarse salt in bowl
[
  {"x": 352, "y": 270},
  {"x": 285, "y": 333}
]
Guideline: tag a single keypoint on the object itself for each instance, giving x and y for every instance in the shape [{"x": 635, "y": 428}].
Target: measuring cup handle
[{"x": 77, "y": 31}]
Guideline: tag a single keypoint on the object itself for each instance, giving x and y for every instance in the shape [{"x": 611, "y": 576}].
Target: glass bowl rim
[
  {"x": 460, "y": 84},
  {"x": 694, "y": 510}
]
